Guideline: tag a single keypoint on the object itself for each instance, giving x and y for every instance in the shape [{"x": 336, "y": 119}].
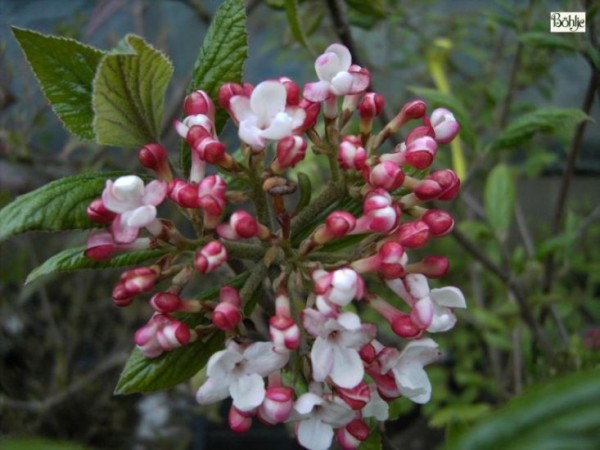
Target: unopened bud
[
  {"x": 439, "y": 222},
  {"x": 199, "y": 102},
  {"x": 97, "y": 212},
  {"x": 210, "y": 257}
]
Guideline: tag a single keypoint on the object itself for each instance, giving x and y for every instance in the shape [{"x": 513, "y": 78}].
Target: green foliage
[
  {"x": 72, "y": 259},
  {"x": 65, "y": 69},
  {"x": 543, "y": 120},
  {"x": 305, "y": 187},
  {"x": 373, "y": 442},
  {"x": 31, "y": 443},
  {"x": 499, "y": 199},
  {"x": 148, "y": 375},
  {"x": 129, "y": 91},
  {"x": 291, "y": 10},
  {"x": 563, "y": 414},
  {"x": 59, "y": 205}
]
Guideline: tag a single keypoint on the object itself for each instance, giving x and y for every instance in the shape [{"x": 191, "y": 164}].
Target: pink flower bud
[
  {"x": 386, "y": 175},
  {"x": 311, "y": 110},
  {"x": 229, "y": 90},
  {"x": 406, "y": 328},
  {"x": 199, "y": 102},
  {"x": 392, "y": 260},
  {"x": 284, "y": 333},
  {"x": 414, "y": 109},
  {"x": 357, "y": 397},
  {"x": 292, "y": 91},
  {"x": 226, "y": 316},
  {"x": 210, "y": 257},
  {"x": 97, "y": 212},
  {"x": 165, "y": 302},
  {"x": 133, "y": 282},
  {"x": 420, "y": 152},
  {"x": 242, "y": 225},
  {"x": 210, "y": 150},
  {"x": 368, "y": 353},
  {"x": 340, "y": 223},
  {"x": 386, "y": 383},
  {"x": 183, "y": 193},
  {"x": 430, "y": 266},
  {"x": 444, "y": 125},
  {"x": 380, "y": 215},
  {"x": 211, "y": 194},
  {"x": 229, "y": 294},
  {"x": 154, "y": 157},
  {"x": 339, "y": 287},
  {"x": 238, "y": 422},
  {"x": 412, "y": 234},
  {"x": 439, "y": 222},
  {"x": 371, "y": 105},
  {"x": 290, "y": 151},
  {"x": 352, "y": 434},
  {"x": 352, "y": 154},
  {"x": 277, "y": 405},
  {"x": 198, "y": 133},
  {"x": 448, "y": 181},
  {"x": 428, "y": 190}
]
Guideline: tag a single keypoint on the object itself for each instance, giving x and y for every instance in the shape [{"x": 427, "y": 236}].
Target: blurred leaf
[
  {"x": 168, "y": 370},
  {"x": 365, "y": 14},
  {"x": 458, "y": 413},
  {"x": 435, "y": 99},
  {"x": 65, "y": 69},
  {"x": 73, "y": 259},
  {"x": 291, "y": 11},
  {"x": 543, "y": 120},
  {"x": 129, "y": 92},
  {"x": 552, "y": 41},
  {"x": 32, "y": 443},
  {"x": 563, "y": 414},
  {"x": 58, "y": 205},
  {"x": 487, "y": 319},
  {"x": 221, "y": 60},
  {"x": 305, "y": 188},
  {"x": 499, "y": 199}
]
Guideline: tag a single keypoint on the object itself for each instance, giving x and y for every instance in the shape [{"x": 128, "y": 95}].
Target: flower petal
[
  {"x": 140, "y": 217},
  {"x": 347, "y": 370},
  {"x": 240, "y": 108},
  {"x": 306, "y": 402},
  {"x": 281, "y": 126},
  {"x": 413, "y": 383},
  {"x": 154, "y": 193},
  {"x": 448, "y": 296},
  {"x": 356, "y": 339},
  {"x": 349, "y": 320},
  {"x": 443, "y": 319},
  {"x": 321, "y": 357},
  {"x": 422, "y": 312},
  {"x": 341, "y": 84},
  {"x": 247, "y": 392},
  {"x": 263, "y": 360},
  {"x": 213, "y": 390},
  {"x": 122, "y": 233},
  {"x": 268, "y": 99},
  {"x": 221, "y": 363},
  {"x": 251, "y": 135},
  {"x": 314, "y": 434},
  {"x": 317, "y": 92},
  {"x": 343, "y": 55},
  {"x": 314, "y": 322}
]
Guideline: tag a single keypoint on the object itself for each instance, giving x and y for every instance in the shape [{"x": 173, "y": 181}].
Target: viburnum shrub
[{"x": 310, "y": 261}]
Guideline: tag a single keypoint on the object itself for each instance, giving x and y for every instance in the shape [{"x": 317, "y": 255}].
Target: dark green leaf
[
  {"x": 32, "y": 443},
  {"x": 499, "y": 199},
  {"x": 59, "y": 205},
  {"x": 373, "y": 442},
  {"x": 221, "y": 59},
  {"x": 435, "y": 98},
  {"x": 291, "y": 10},
  {"x": 563, "y": 414},
  {"x": 128, "y": 96},
  {"x": 552, "y": 41},
  {"x": 65, "y": 69},
  {"x": 544, "y": 120},
  {"x": 73, "y": 259},
  {"x": 168, "y": 370},
  {"x": 305, "y": 187}
]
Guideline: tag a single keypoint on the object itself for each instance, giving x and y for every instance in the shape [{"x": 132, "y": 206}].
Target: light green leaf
[
  {"x": 499, "y": 199},
  {"x": 291, "y": 11},
  {"x": 168, "y": 370},
  {"x": 305, "y": 188},
  {"x": 373, "y": 442},
  {"x": 129, "y": 91},
  {"x": 59, "y": 205},
  {"x": 73, "y": 259},
  {"x": 65, "y": 69},
  {"x": 32, "y": 443},
  {"x": 458, "y": 413},
  {"x": 563, "y": 414},
  {"x": 223, "y": 53},
  {"x": 435, "y": 98},
  {"x": 221, "y": 59},
  {"x": 544, "y": 120}
]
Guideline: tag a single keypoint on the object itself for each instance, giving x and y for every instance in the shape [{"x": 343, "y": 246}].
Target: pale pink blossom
[
  {"x": 444, "y": 125},
  {"x": 339, "y": 287}
]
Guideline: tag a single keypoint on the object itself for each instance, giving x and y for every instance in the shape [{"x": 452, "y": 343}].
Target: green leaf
[
  {"x": 543, "y": 39},
  {"x": 291, "y": 11},
  {"x": 458, "y": 413},
  {"x": 544, "y": 120},
  {"x": 373, "y": 442},
  {"x": 73, "y": 259},
  {"x": 65, "y": 69},
  {"x": 59, "y": 205},
  {"x": 305, "y": 187},
  {"x": 435, "y": 99},
  {"x": 148, "y": 375},
  {"x": 563, "y": 414},
  {"x": 129, "y": 91},
  {"x": 221, "y": 59},
  {"x": 499, "y": 199},
  {"x": 32, "y": 443}
]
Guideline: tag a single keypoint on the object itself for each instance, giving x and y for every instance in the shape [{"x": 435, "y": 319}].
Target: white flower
[
  {"x": 376, "y": 407},
  {"x": 134, "y": 204},
  {"x": 335, "y": 350},
  {"x": 319, "y": 416},
  {"x": 265, "y": 115},
  {"x": 239, "y": 373},
  {"x": 336, "y": 75},
  {"x": 407, "y": 368}
]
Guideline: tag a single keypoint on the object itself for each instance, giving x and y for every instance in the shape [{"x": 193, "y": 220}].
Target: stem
[
  {"x": 242, "y": 250},
  {"x": 334, "y": 192}
]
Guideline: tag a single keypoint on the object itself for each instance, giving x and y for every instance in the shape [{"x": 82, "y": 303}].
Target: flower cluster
[{"x": 319, "y": 367}]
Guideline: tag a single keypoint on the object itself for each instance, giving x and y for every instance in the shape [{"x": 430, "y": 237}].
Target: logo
[{"x": 567, "y": 22}]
